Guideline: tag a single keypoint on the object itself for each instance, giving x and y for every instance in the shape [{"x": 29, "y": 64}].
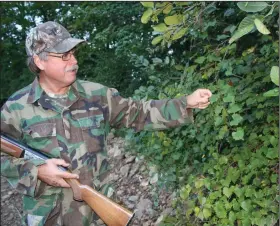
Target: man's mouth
[{"x": 73, "y": 69}]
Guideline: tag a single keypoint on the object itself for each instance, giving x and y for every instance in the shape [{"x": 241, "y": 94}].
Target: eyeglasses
[{"x": 65, "y": 56}]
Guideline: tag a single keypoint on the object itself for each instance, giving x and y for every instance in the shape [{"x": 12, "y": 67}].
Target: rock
[
  {"x": 116, "y": 151},
  {"x": 124, "y": 170},
  {"x": 120, "y": 192},
  {"x": 154, "y": 179},
  {"x": 148, "y": 223},
  {"x": 141, "y": 206},
  {"x": 5, "y": 197},
  {"x": 144, "y": 183},
  {"x": 100, "y": 222},
  {"x": 131, "y": 206},
  {"x": 134, "y": 170},
  {"x": 10, "y": 217},
  {"x": 167, "y": 211},
  {"x": 110, "y": 136},
  {"x": 152, "y": 170},
  {"x": 133, "y": 198},
  {"x": 150, "y": 212},
  {"x": 159, "y": 220},
  {"x": 142, "y": 168},
  {"x": 130, "y": 159}
]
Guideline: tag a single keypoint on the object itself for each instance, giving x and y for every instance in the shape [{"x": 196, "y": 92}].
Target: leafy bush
[{"x": 225, "y": 164}]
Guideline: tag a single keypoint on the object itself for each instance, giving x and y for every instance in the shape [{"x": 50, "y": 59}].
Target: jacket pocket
[
  {"x": 93, "y": 132},
  {"x": 41, "y": 130},
  {"x": 90, "y": 122},
  {"x": 42, "y": 136}
]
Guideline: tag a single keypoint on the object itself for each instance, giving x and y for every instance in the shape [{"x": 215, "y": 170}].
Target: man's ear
[{"x": 39, "y": 63}]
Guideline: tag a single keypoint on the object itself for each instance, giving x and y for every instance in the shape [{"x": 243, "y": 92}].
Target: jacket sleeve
[
  {"x": 20, "y": 173},
  {"x": 147, "y": 115}
]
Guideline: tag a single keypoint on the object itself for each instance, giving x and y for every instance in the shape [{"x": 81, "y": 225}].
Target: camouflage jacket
[{"x": 75, "y": 132}]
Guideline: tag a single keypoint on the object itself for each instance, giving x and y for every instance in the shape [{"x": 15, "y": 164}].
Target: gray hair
[{"x": 31, "y": 64}]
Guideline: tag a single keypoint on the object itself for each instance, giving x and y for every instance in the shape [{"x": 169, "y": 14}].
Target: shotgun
[{"x": 110, "y": 212}]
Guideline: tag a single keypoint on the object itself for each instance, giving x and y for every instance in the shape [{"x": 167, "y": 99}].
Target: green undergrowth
[{"x": 224, "y": 165}]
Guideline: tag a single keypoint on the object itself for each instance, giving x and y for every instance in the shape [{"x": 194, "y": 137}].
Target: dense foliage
[
  {"x": 225, "y": 165},
  {"x": 226, "y": 162}
]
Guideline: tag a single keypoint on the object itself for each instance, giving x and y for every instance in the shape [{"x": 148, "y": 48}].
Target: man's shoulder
[
  {"x": 20, "y": 95},
  {"x": 91, "y": 88}
]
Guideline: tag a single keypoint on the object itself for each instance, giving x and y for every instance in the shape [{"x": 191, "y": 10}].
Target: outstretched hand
[
  {"x": 199, "y": 99},
  {"x": 52, "y": 175}
]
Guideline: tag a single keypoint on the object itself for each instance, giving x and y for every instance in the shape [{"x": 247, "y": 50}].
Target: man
[{"x": 68, "y": 120}]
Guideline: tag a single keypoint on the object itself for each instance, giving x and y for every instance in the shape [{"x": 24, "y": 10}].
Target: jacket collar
[{"x": 36, "y": 90}]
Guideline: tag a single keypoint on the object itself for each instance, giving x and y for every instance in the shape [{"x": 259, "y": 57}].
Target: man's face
[{"x": 60, "y": 68}]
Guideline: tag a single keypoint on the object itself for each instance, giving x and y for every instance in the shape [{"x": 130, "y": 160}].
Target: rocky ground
[{"x": 134, "y": 183}]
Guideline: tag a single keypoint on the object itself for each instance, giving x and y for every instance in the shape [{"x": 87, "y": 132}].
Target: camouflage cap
[{"x": 49, "y": 37}]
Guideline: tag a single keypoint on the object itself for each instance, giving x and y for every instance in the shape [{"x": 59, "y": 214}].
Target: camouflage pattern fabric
[
  {"x": 49, "y": 37},
  {"x": 75, "y": 130}
]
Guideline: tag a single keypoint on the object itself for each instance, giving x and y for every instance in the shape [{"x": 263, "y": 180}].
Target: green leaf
[
  {"x": 156, "y": 60},
  {"x": 271, "y": 10},
  {"x": 252, "y": 7},
  {"x": 272, "y": 153},
  {"x": 272, "y": 93},
  {"x": 233, "y": 108},
  {"x": 218, "y": 109},
  {"x": 229, "y": 98},
  {"x": 261, "y": 27},
  {"x": 232, "y": 216},
  {"x": 227, "y": 191},
  {"x": 223, "y": 132},
  {"x": 148, "y": 4},
  {"x": 176, "y": 155},
  {"x": 206, "y": 213},
  {"x": 233, "y": 174},
  {"x": 235, "y": 205},
  {"x": 146, "y": 16},
  {"x": 179, "y": 67},
  {"x": 199, "y": 183},
  {"x": 173, "y": 20},
  {"x": 196, "y": 210},
  {"x": 218, "y": 121},
  {"x": 238, "y": 191},
  {"x": 180, "y": 33},
  {"x": 236, "y": 119},
  {"x": 246, "y": 205},
  {"x": 184, "y": 193},
  {"x": 200, "y": 60},
  {"x": 247, "y": 21},
  {"x": 160, "y": 27},
  {"x": 274, "y": 75},
  {"x": 239, "y": 134},
  {"x": 273, "y": 141},
  {"x": 168, "y": 8},
  {"x": 202, "y": 200},
  {"x": 214, "y": 98},
  {"x": 246, "y": 26},
  {"x": 220, "y": 210},
  {"x": 157, "y": 40}
]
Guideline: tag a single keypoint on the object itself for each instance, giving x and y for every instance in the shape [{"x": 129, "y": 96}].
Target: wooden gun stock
[{"x": 110, "y": 212}]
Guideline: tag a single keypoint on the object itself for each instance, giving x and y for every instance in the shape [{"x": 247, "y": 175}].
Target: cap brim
[{"x": 66, "y": 45}]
